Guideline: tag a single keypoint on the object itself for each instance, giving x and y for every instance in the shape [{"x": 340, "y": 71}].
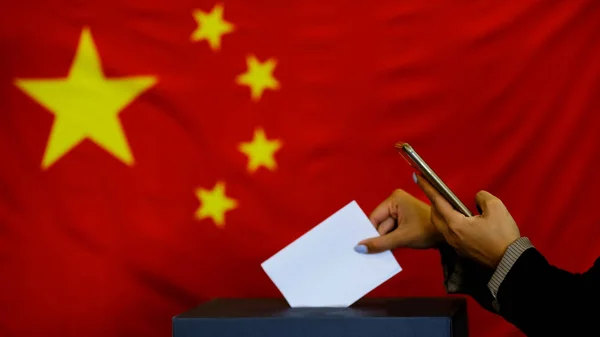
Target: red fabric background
[{"x": 503, "y": 96}]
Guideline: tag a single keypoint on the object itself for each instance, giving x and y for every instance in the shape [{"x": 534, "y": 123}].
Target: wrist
[
  {"x": 436, "y": 236},
  {"x": 501, "y": 251},
  {"x": 510, "y": 257}
]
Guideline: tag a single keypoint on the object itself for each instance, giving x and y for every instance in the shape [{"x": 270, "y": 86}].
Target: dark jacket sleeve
[
  {"x": 543, "y": 300},
  {"x": 464, "y": 276}
]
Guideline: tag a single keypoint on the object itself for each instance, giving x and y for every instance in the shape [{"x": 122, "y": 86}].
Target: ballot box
[{"x": 377, "y": 317}]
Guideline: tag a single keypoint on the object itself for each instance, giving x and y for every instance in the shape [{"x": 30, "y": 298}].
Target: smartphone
[{"x": 421, "y": 166}]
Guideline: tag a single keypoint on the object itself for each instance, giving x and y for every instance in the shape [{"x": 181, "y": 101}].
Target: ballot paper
[{"x": 321, "y": 268}]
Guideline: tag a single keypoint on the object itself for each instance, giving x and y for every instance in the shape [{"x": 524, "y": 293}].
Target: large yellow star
[
  {"x": 86, "y": 104},
  {"x": 214, "y": 204},
  {"x": 259, "y": 76},
  {"x": 211, "y": 26},
  {"x": 260, "y": 151}
]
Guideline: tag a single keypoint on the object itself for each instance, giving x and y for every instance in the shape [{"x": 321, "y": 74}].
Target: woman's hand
[
  {"x": 402, "y": 221},
  {"x": 483, "y": 237}
]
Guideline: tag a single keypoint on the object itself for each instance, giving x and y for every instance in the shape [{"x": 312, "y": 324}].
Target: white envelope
[{"x": 321, "y": 268}]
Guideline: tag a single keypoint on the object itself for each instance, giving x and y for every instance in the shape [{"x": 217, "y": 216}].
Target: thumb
[
  {"x": 378, "y": 244},
  {"x": 488, "y": 203}
]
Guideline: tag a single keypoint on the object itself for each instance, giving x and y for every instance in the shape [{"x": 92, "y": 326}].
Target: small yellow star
[
  {"x": 260, "y": 151},
  {"x": 211, "y": 26},
  {"x": 259, "y": 76},
  {"x": 86, "y": 104},
  {"x": 214, "y": 204}
]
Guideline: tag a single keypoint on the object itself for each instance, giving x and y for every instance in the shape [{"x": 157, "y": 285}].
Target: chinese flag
[{"x": 154, "y": 153}]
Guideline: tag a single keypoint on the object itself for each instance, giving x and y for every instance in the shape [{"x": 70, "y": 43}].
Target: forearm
[
  {"x": 464, "y": 276},
  {"x": 511, "y": 255},
  {"x": 541, "y": 299}
]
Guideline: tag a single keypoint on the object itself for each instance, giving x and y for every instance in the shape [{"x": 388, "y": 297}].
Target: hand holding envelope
[{"x": 322, "y": 269}]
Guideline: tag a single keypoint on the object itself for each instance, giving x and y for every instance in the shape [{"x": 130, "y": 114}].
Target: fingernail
[
  {"x": 360, "y": 249},
  {"x": 415, "y": 177}
]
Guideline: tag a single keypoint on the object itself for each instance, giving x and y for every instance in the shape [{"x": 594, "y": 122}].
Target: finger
[
  {"x": 379, "y": 244},
  {"x": 381, "y": 212},
  {"x": 488, "y": 203},
  {"x": 386, "y": 226},
  {"x": 430, "y": 192},
  {"x": 439, "y": 222},
  {"x": 447, "y": 212},
  {"x": 443, "y": 227}
]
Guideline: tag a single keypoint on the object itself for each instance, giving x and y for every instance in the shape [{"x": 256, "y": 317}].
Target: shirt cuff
[{"x": 512, "y": 254}]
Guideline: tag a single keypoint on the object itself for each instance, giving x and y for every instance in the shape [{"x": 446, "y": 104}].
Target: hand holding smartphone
[{"x": 421, "y": 166}]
